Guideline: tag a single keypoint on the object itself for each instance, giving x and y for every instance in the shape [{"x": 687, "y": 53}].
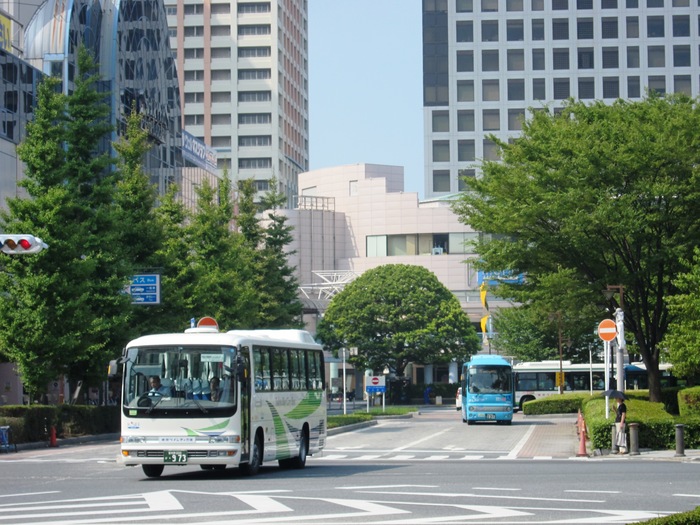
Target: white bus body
[{"x": 269, "y": 405}]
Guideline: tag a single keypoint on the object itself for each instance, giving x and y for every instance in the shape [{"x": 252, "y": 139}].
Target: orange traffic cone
[{"x": 52, "y": 437}]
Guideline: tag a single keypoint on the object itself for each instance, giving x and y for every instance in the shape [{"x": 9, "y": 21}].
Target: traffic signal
[{"x": 21, "y": 244}]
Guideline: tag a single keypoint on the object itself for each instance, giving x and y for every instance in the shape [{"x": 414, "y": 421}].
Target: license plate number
[
  {"x": 175, "y": 457},
  {"x": 490, "y": 416}
]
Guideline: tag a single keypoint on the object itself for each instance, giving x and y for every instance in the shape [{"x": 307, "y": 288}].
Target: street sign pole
[{"x": 607, "y": 331}]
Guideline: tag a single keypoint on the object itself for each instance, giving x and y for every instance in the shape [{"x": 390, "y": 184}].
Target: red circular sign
[
  {"x": 607, "y": 330},
  {"x": 375, "y": 380},
  {"x": 207, "y": 321}
]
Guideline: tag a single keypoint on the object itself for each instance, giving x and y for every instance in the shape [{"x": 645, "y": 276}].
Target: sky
[{"x": 365, "y": 85}]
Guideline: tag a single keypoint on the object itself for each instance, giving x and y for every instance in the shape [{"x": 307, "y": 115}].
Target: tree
[
  {"x": 398, "y": 314},
  {"x": 609, "y": 192},
  {"x": 683, "y": 336},
  {"x": 65, "y": 307}
]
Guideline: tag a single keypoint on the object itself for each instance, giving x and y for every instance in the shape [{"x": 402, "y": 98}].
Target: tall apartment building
[
  {"x": 488, "y": 63},
  {"x": 243, "y": 73}
]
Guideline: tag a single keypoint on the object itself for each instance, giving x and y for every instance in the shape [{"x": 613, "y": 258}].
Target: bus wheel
[
  {"x": 255, "y": 460},
  {"x": 300, "y": 460},
  {"x": 153, "y": 471}
]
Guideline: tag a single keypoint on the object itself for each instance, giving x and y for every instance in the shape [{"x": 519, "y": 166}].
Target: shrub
[
  {"x": 684, "y": 518},
  {"x": 555, "y": 404},
  {"x": 689, "y": 402}
]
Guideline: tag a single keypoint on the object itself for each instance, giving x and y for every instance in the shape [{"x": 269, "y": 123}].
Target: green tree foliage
[
  {"x": 683, "y": 336},
  {"x": 609, "y": 192},
  {"x": 398, "y": 314},
  {"x": 276, "y": 284},
  {"x": 64, "y": 305}
]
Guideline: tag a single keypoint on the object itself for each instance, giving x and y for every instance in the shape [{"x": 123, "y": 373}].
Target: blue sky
[{"x": 365, "y": 85}]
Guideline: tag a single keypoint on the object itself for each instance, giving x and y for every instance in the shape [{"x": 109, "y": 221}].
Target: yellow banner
[
  {"x": 5, "y": 33},
  {"x": 483, "y": 290},
  {"x": 484, "y": 324}
]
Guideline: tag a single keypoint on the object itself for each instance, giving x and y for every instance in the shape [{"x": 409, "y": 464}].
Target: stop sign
[{"x": 607, "y": 330}]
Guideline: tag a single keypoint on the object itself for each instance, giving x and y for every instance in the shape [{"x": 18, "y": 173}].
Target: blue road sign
[{"x": 145, "y": 289}]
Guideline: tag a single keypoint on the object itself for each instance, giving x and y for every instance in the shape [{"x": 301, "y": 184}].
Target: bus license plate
[
  {"x": 175, "y": 457},
  {"x": 490, "y": 416}
]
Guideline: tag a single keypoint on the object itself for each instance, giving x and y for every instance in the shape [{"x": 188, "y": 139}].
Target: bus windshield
[
  {"x": 490, "y": 379},
  {"x": 179, "y": 378}
]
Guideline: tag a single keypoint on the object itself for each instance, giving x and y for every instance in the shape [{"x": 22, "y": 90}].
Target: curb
[{"x": 350, "y": 428}]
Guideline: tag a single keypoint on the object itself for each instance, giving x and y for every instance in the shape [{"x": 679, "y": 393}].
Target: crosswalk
[{"x": 390, "y": 457}]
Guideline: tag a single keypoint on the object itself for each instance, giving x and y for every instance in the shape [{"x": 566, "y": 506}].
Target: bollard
[
  {"x": 680, "y": 446},
  {"x": 52, "y": 439},
  {"x": 614, "y": 448},
  {"x": 634, "y": 439}
]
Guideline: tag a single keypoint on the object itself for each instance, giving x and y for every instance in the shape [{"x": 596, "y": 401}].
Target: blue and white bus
[
  {"x": 487, "y": 390},
  {"x": 222, "y": 399}
]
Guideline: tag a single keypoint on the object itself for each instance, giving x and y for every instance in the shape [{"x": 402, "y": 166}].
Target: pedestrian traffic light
[{"x": 21, "y": 244}]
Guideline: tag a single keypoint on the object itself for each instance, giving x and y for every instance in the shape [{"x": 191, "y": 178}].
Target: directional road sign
[{"x": 145, "y": 289}]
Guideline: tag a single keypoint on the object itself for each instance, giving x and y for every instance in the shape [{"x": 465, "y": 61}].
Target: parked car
[{"x": 458, "y": 399}]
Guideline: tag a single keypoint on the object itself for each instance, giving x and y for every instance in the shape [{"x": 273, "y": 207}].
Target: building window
[
  {"x": 254, "y": 118},
  {"x": 681, "y": 25},
  {"x": 254, "y": 52},
  {"x": 681, "y": 56},
  {"x": 465, "y": 91},
  {"x": 560, "y": 29},
  {"x": 560, "y": 58},
  {"x": 465, "y": 6},
  {"x": 539, "y": 89},
  {"x": 254, "y": 96},
  {"x": 657, "y": 84},
  {"x": 611, "y": 58},
  {"x": 537, "y": 5},
  {"x": 441, "y": 121},
  {"x": 491, "y": 120},
  {"x": 560, "y": 5},
  {"x": 491, "y": 151},
  {"x": 376, "y": 246},
  {"x": 516, "y": 89},
  {"x": 253, "y": 7},
  {"x": 221, "y": 52},
  {"x": 465, "y": 175},
  {"x": 255, "y": 163},
  {"x": 221, "y": 119},
  {"x": 252, "y": 141},
  {"x": 194, "y": 98},
  {"x": 633, "y": 57},
  {"x": 193, "y": 9},
  {"x": 515, "y": 31},
  {"x": 441, "y": 181},
  {"x": 609, "y": 4},
  {"x": 193, "y": 31},
  {"x": 489, "y": 60},
  {"x": 220, "y": 9},
  {"x": 562, "y": 90},
  {"x": 515, "y": 59},
  {"x": 194, "y": 120},
  {"x": 220, "y": 74},
  {"x": 632, "y": 27},
  {"x": 655, "y": 27},
  {"x": 194, "y": 75},
  {"x": 441, "y": 151},
  {"x": 514, "y": 5},
  {"x": 586, "y": 88},
  {"x": 633, "y": 87},
  {"x": 465, "y": 120},
  {"x": 254, "y": 74},
  {"x": 465, "y": 61},
  {"x": 538, "y": 63},
  {"x": 611, "y": 87},
  {"x": 656, "y": 56},
  {"x": 632, "y": 4},
  {"x": 584, "y": 4},
  {"x": 466, "y": 151},
  {"x": 490, "y": 91},
  {"x": 465, "y": 31},
  {"x": 585, "y": 58},
  {"x": 538, "y": 29},
  {"x": 489, "y": 31},
  {"x": 489, "y": 6},
  {"x": 655, "y": 3},
  {"x": 681, "y": 84},
  {"x": 196, "y": 52},
  {"x": 609, "y": 27},
  {"x": 584, "y": 28},
  {"x": 254, "y": 30},
  {"x": 220, "y": 31},
  {"x": 515, "y": 119},
  {"x": 221, "y": 142}
]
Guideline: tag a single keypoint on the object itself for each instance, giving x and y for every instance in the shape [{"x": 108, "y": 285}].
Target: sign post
[
  {"x": 374, "y": 385},
  {"x": 607, "y": 331}
]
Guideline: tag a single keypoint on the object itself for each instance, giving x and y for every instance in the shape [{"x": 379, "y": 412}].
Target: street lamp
[{"x": 610, "y": 291}]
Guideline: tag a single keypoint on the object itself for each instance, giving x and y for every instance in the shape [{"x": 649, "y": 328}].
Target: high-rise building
[
  {"x": 487, "y": 64},
  {"x": 243, "y": 76}
]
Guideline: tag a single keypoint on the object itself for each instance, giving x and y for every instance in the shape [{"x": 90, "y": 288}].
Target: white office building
[
  {"x": 489, "y": 63},
  {"x": 243, "y": 73}
]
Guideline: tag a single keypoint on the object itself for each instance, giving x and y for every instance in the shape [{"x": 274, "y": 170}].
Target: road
[{"x": 428, "y": 469}]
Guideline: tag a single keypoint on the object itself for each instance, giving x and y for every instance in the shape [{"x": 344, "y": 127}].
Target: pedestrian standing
[{"x": 620, "y": 420}]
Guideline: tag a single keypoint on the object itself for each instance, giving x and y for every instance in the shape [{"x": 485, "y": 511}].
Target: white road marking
[{"x": 514, "y": 453}]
